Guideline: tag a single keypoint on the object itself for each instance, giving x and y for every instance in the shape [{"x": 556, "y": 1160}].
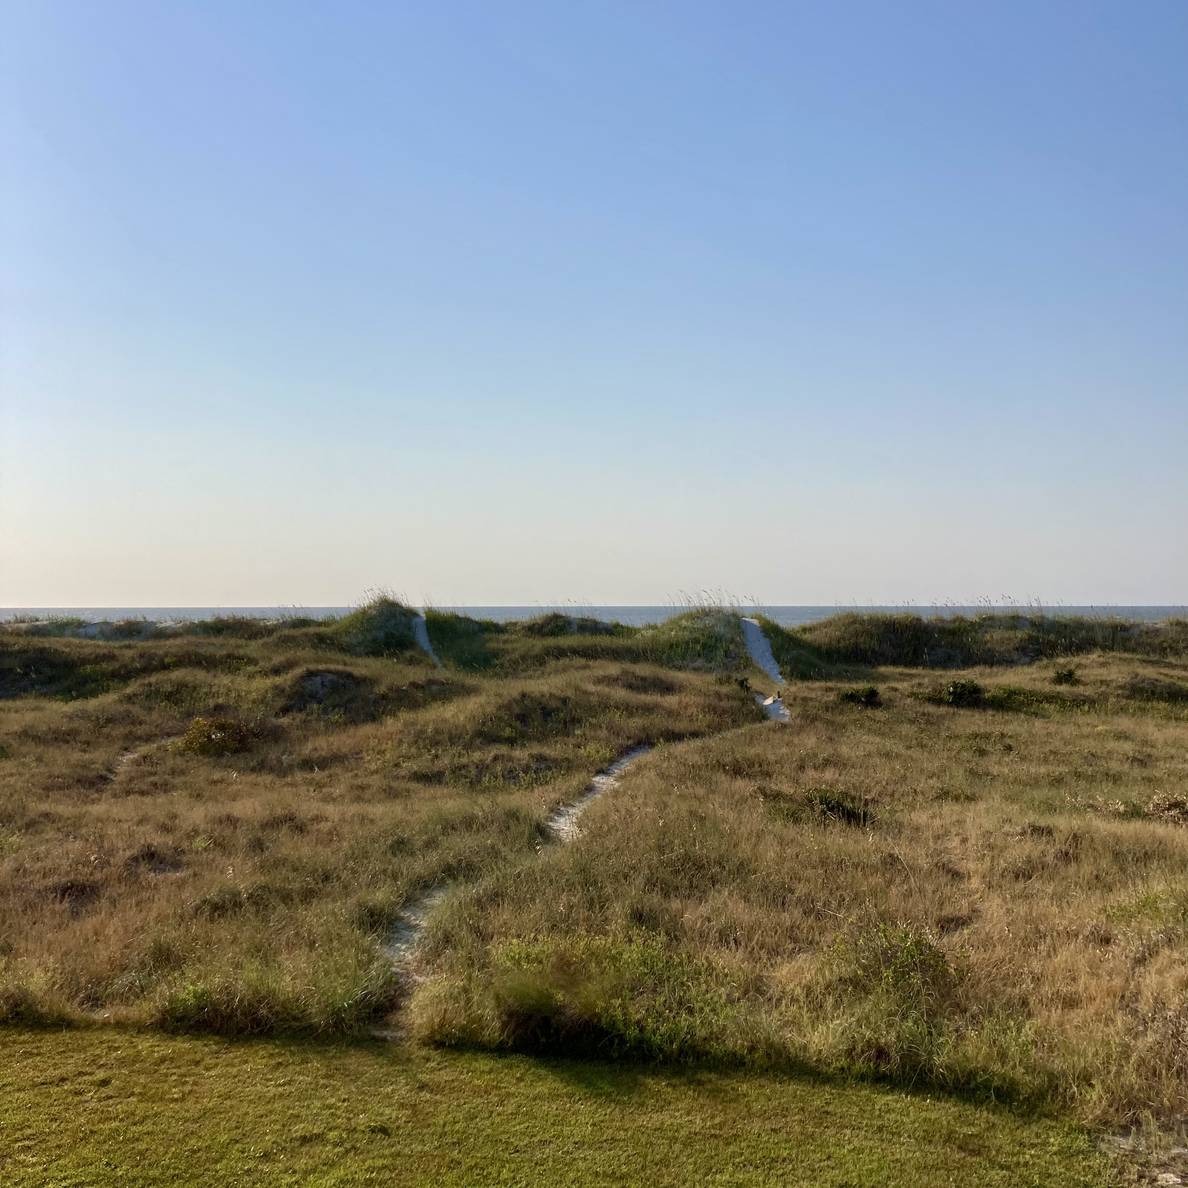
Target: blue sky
[{"x": 528, "y": 302}]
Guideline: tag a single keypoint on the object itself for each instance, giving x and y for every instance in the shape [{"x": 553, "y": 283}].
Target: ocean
[{"x": 637, "y": 616}]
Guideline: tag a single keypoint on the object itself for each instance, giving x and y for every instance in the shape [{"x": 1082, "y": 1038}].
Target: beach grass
[{"x": 962, "y": 879}]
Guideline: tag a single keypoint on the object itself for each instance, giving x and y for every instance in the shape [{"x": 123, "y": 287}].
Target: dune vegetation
[{"x": 959, "y": 869}]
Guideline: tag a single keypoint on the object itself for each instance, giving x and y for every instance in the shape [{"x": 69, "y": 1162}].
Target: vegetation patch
[
  {"x": 867, "y": 697},
  {"x": 1171, "y": 807},
  {"x": 1151, "y": 688},
  {"x": 531, "y": 717},
  {"x": 963, "y": 694},
  {"x": 462, "y": 641},
  {"x": 634, "y": 681},
  {"x": 705, "y": 639},
  {"x": 215, "y": 736},
  {"x": 381, "y": 627},
  {"x": 553, "y": 625},
  {"x": 635, "y": 996}
]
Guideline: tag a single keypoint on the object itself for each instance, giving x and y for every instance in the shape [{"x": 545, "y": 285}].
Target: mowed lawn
[{"x": 105, "y": 1107}]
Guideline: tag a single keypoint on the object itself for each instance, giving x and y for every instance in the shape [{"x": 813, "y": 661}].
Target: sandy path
[
  {"x": 421, "y": 635},
  {"x": 759, "y": 649},
  {"x": 562, "y": 824}
]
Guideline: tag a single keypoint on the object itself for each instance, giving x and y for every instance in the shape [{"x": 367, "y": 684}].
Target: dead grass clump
[{"x": 1170, "y": 807}]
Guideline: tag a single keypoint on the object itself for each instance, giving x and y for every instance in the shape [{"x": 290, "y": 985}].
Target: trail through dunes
[
  {"x": 562, "y": 822},
  {"x": 562, "y": 825},
  {"x": 421, "y": 635},
  {"x": 760, "y": 652}
]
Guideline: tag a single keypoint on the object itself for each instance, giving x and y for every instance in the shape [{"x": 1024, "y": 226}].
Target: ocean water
[{"x": 637, "y": 616}]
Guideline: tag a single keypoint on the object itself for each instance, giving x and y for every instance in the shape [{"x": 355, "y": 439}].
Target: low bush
[
  {"x": 963, "y": 694},
  {"x": 1150, "y": 688},
  {"x": 555, "y": 624},
  {"x": 613, "y": 997},
  {"x": 215, "y": 736},
  {"x": 381, "y": 627},
  {"x": 868, "y": 697}
]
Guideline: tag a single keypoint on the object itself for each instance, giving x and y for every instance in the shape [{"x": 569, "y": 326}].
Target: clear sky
[{"x": 516, "y": 302}]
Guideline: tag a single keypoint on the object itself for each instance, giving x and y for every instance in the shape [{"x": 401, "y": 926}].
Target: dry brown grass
[
  {"x": 215, "y": 832},
  {"x": 994, "y": 899},
  {"x": 218, "y": 831}
]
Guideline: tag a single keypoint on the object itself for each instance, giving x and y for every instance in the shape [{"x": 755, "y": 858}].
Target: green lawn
[{"x": 98, "y": 1107}]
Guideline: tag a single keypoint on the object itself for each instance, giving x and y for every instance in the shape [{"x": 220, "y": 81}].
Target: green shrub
[
  {"x": 261, "y": 998},
  {"x": 1065, "y": 676},
  {"x": 638, "y": 997},
  {"x": 899, "y": 960},
  {"x": 218, "y": 736},
  {"x": 700, "y": 639},
  {"x": 963, "y": 694},
  {"x": 460, "y": 640},
  {"x": 867, "y": 697},
  {"x": 381, "y": 627},
  {"x": 555, "y": 624},
  {"x": 899, "y": 996},
  {"x": 530, "y": 717}
]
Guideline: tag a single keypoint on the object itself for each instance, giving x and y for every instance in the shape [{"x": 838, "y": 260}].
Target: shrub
[
  {"x": 218, "y": 736},
  {"x": 900, "y": 996},
  {"x": 1148, "y": 688},
  {"x": 381, "y": 627},
  {"x": 963, "y": 694},
  {"x": 699, "y": 639},
  {"x": 1065, "y": 676},
  {"x": 840, "y": 806},
  {"x": 821, "y": 804},
  {"x": 529, "y": 716},
  {"x": 554, "y": 624},
  {"x": 867, "y": 697},
  {"x": 614, "y": 997},
  {"x": 460, "y": 640},
  {"x": 260, "y": 998},
  {"x": 899, "y": 960}
]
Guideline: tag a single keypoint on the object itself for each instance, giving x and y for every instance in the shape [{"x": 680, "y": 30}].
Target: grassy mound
[
  {"x": 909, "y": 641},
  {"x": 381, "y": 627}
]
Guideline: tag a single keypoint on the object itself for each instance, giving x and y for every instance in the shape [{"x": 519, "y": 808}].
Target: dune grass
[
  {"x": 986, "y": 899},
  {"x": 216, "y": 829},
  {"x": 139, "y": 1110},
  {"x": 970, "y": 880}
]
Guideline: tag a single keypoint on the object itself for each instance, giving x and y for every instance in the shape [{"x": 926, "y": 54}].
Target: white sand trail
[
  {"x": 759, "y": 648},
  {"x": 562, "y": 825},
  {"x": 421, "y": 635}
]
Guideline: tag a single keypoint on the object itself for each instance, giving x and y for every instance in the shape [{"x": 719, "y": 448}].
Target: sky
[{"x": 538, "y": 302}]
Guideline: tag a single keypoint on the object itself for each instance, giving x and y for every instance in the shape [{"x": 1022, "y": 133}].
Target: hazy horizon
[{"x": 842, "y": 304}]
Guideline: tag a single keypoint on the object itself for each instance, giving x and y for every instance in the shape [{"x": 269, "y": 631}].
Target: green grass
[
  {"x": 914, "y": 642},
  {"x": 93, "y": 1108}
]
